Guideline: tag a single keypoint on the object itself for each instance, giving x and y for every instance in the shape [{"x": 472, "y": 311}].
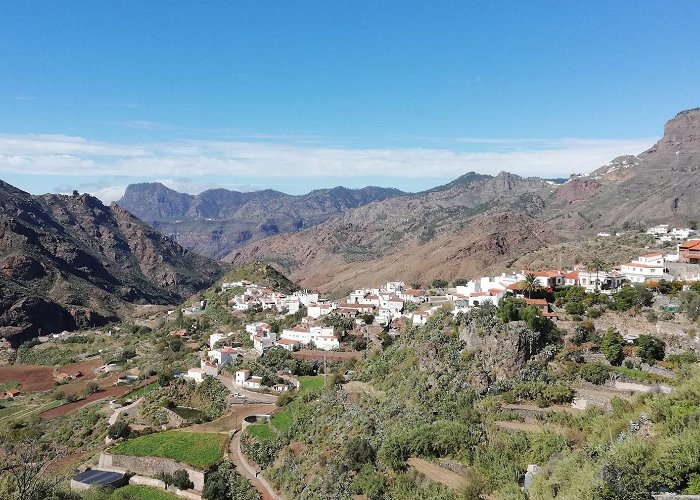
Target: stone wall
[{"x": 150, "y": 466}]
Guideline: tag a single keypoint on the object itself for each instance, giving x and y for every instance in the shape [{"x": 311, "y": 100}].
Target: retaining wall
[{"x": 150, "y": 466}]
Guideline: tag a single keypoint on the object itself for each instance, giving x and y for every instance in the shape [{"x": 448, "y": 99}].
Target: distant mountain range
[
  {"x": 217, "y": 221},
  {"x": 70, "y": 261},
  {"x": 479, "y": 221}
]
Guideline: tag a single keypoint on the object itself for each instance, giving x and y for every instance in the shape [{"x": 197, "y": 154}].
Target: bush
[
  {"x": 595, "y": 373},
  {"x": 119, "y": 430},
  {"x": 181, "y": 480},
  {"x": 358, "y": 452},
  {"x": 611, "y": 346},
  {"x": 651, "y": 349},
  {"x": 651, "y": 317}
]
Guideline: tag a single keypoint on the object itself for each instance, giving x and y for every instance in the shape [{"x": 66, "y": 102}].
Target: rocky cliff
[{"x": 70, "y": 261}]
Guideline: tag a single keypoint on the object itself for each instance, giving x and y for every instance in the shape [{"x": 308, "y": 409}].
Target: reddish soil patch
[
  {"x": 86, "y": 367},
  {"x": 110, "y": 392},
  {"x": 32, "y": 378},
  {"x": 309, "y": 355},
  {"x": 62, "y": 411}
]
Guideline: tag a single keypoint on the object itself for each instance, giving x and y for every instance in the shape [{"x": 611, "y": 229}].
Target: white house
[
  {"x": 493, "y": 295},
  {"x": 306, "y": 298},
  {"x": 322, "y": 337},
  {"x": 606, "y": 280},
  {"x": 318, "y": 309},
  {"x": 646, "y": 268},
  {"x": 246, "y": 380},
  {"x": 658, "y": 230},
  {"x": 223, "y": 356},
  {"x": 215, "y": 337},
  {"x": 288, "y": 344},
  {"x": 196, "y": 374},
  {"x": 209, "y": 368}
]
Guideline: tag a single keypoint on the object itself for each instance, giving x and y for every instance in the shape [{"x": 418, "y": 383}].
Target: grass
[
  {"x": 640, "y": 375},
  {"x": 311, "y": 383},
  {"x": 261, "y": 432},
  {"x": 143, "y": 390},
  {"x": 12, "y": 384},
  {"x": 134, "y": 491},
  {"x": 282, "y": 420},
  {"x": 199, "y": 450}
]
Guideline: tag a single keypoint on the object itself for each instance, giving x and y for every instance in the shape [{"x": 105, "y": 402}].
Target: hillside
[
  {"x": 322, "y": 259},
  {"x": 660, "y": 185},
  {"x": 218, "y": 220},
  {"x": 429, "y": 234},
  {"x": 70, "y": 261}
]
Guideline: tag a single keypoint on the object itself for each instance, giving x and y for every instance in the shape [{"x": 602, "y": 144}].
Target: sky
[{"x": 300, "y": 95}]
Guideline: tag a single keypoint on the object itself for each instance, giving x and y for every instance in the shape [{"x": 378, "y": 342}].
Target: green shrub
[{"x": 595, "y": 373}]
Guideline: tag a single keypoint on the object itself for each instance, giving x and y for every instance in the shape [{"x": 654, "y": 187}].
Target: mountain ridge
[
  {"x": 218, "y": 220},
  {"x": 70, "y": 261}
]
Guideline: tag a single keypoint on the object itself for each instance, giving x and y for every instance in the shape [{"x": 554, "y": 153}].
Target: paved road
[
  {"x": 248, "y": 470},
  {"x": 124, "y": 409},
  {"x": 250, "y": 396}
]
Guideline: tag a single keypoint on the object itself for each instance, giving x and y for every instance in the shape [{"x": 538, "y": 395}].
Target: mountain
[
  {"x": 218, "y": 220},
  {"x": 452, "y": 230},
  {"x": 479, "y": 221},
  {"x": 660, "y": 185},
  {"x": 70, "y": 261}
]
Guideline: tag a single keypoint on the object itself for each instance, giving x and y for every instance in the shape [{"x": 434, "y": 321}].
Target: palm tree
[
  {"x": 530, "y": 284},
  {"x": 598, "y": 265}
]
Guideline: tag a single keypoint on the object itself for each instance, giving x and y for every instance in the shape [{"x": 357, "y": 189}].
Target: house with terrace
[
  {"x": 322, "y": 337},
  {"x": 650, "y": 267}
]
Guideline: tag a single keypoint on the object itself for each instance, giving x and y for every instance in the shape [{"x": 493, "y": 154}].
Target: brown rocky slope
[{"x": 70, "y": 261}]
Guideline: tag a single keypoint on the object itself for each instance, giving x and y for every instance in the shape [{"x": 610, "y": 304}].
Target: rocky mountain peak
[{"x": 681, "y": 133}]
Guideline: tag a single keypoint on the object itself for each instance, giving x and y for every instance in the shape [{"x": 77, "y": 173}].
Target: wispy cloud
[
  {"x": 235, "y": 161},
  {"x": 23, "y": 97}
]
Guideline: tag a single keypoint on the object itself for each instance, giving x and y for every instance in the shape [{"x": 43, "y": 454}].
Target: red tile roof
[
  {"x": 690, "y": 245},
  {"x": 536, "y": 302}
]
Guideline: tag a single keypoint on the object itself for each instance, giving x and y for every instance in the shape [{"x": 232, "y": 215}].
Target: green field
[
  {"x": 282, "y": 420},
  {"x": 310, "y": 383},
  {"x": 261, "y": 432},
  {"x": 134, "y": 491},
  {"x": 6, "y": 386},
  {"x": 142, "y": 391},
  {"x": 196, "y": 449}
]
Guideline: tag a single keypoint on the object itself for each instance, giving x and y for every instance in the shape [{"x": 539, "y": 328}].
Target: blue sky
[{"x": 300, "y": 95}]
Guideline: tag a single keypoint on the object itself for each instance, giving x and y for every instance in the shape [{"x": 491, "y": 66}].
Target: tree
[
  {"x": 25, "y": 464},
  {"x": 118, "y": 430},
  {"x": 611, "y": 346},
  {"x": 227, "y": 484},
  {"x": 509, "y": 309},
  {"x": 598, "y": 265},
  {"x": 460, "y": 281},
  {"x": 651, "y": 349},
  {"x": 636, "y": 295},
  {"x": 530, "y": 284},
  {"x": 439, "y": 283},
  {"x": 92, "y": 387}
]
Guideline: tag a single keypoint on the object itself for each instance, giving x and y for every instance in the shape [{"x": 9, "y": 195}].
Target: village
[{"x": 394, "y": 305}]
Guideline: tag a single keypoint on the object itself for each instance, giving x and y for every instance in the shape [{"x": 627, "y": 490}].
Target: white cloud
[{"x": 62, "y": 155}]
